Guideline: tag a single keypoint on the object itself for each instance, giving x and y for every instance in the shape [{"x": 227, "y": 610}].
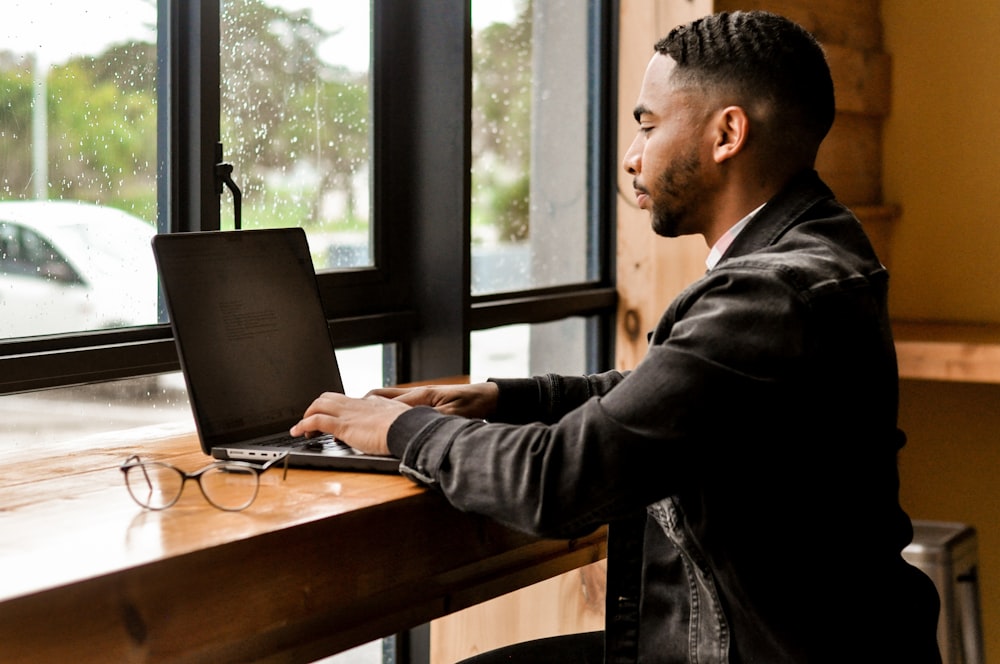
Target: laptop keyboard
[{"x": 324, "y": 443}]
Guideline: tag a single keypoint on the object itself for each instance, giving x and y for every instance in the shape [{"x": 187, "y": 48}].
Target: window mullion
[
  {"x": 422, "y": 69},
  {"x": 189, "y": 116}
]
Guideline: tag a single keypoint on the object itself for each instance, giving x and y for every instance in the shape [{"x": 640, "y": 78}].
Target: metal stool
[{"x": 946, "y": 552}]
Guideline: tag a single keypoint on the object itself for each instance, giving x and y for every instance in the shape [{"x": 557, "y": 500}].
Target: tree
[
  {"x": 283, "y": 108},
  {"x": 286, "y": 111},
  {"x": 15, "y": 126},
  {"x": 501, "y": 141},
  {"x": 102, "y": 129}
]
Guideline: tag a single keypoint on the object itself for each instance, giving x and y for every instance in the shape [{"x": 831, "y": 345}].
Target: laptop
[{"x": 254, "y": 344}]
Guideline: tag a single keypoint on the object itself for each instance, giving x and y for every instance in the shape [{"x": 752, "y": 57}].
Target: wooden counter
[
  {"x": 321, "y": 562},
  {"x": 964, "y": 352}
]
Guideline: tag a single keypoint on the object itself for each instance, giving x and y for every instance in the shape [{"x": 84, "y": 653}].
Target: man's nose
[{"x": 632, "y": 163}]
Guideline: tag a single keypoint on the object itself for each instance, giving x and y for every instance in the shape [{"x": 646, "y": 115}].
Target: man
[{"x": 747, "y": 466}]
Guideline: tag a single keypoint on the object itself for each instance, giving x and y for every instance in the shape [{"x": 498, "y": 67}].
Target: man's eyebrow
[{"x": 639, "y": 111}]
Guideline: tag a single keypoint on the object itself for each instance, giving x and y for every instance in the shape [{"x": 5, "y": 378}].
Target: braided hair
[{"x": 765, "y": 63}]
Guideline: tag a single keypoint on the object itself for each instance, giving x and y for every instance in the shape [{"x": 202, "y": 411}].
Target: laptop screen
[{"x": 250, "y": 329}]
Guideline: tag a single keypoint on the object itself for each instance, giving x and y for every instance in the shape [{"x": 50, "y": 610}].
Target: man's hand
[
  {"x": 361, "y": 423},
  {"x": 476, "y": 401}
]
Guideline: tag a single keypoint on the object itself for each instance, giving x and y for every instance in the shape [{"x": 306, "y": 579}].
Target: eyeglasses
[{"x": 228, "y": 485}]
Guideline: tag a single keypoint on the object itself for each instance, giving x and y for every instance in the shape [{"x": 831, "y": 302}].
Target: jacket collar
[{"x": 780, "y": 213}]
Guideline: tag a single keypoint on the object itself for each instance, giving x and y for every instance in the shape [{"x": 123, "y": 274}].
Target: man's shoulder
[
  {"x": 803, "y": 224},
  {"x": 815, "y": 261},
  {"x": 823, "y": 246}
]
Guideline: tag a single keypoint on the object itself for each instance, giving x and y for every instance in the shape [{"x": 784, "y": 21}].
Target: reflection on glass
[
  {"x": 78, "y": 126},
  {"x": 70, "y": 266},
  {"x": 295, "y": 120},
  {"x": 89, "y": 416},
  {"x": 96, "y": 414},
  {"x": 364, "y": 368},
  {"x": 519, "y": 351},
  {"x": 530, "y": 79}
]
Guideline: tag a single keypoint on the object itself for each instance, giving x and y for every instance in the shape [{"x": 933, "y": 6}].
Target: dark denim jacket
[{"x": 747, "y": 466}]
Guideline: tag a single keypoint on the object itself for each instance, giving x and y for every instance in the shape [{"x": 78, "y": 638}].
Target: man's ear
[{"x": 732, "y": 127}]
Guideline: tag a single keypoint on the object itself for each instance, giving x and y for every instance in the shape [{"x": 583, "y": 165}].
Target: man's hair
[{"x": 765, "y": 63}]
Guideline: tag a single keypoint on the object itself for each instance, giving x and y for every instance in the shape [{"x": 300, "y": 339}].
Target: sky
[{"x": 57, "y": 30}]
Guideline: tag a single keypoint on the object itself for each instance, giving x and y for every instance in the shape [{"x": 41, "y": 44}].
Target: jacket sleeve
[
  {"x": 548, "y": 398},
  {"x": 601, "y": 453}
]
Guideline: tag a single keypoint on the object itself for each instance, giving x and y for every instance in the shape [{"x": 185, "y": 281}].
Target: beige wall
[
  {"x": 940, "y": 165},
  {"x": 949, "y": 471},
  {"x": 940, "y": 159}
]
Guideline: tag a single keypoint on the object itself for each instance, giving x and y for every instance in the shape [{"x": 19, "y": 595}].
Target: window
[
  {"x": 78, "y": 155},
  {"x": 536, "y": 182},
  {"x": 524, "y": 349},
  {"x": 376, "y": 150},
  {"x": 295, "y": 120},
  {"x": 530, "y": 142}
]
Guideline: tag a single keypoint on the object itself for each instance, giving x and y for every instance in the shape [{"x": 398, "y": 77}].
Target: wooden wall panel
[
  {"x": 567, "y": 604},
  {"x": 850, "y": 159},
  {"x": 853, "y": 23},
  {"x": 861, "y": 79}
]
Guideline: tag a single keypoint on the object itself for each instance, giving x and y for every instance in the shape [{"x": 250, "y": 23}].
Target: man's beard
[{"x": 677, "y": 188}]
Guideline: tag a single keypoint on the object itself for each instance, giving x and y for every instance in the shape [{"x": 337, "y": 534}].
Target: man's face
[{"x": 666, "y": 159}]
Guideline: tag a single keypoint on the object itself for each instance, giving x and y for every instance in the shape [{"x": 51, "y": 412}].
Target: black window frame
[{"x": 417, "y": 296}]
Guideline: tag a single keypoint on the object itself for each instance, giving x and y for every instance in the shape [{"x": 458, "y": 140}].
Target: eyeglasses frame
[{"x": 135, "y": 461}]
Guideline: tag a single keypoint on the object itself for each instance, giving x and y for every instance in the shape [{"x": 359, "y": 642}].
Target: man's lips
[{"x": 641, "y": 196}]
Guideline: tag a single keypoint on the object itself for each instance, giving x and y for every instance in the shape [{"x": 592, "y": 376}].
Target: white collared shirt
[{"x": 724, "y": 242}]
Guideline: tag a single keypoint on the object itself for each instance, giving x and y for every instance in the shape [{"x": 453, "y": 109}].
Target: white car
[{"x": 68, "y": 266}]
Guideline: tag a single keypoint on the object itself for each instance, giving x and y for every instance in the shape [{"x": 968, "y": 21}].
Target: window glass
[
  {"x": 530, "y": 94},
  {"x": 84, "y": 417},
  {"x": 78, "y": 417},
  {"x": 364, "y": 368},
  {"x": 77, "y": 165},
  {"x": 518, "y": 351},
  {"x": 295, "y": 120}
]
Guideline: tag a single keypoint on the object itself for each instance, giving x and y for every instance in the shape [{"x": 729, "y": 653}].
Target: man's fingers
[
  {"x": 309, "y": 425},
  {"x": 328, "y": 402},
  {"x": 388, "y": 392}
]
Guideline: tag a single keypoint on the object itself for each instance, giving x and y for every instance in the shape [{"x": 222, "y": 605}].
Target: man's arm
[
  {"x": 511, "y": 400},
  {"x": 476, "y": 401},
  {"x": 587, "y": 453}
]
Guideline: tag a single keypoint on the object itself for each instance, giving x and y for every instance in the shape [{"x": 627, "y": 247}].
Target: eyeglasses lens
[
  {"x": 154, "y": 485},
  {"x": 230, "y": 487}
]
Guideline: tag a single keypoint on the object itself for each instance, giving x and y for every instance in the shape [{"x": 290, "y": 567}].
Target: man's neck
[
  {"x": 730, "y": 215},
  {"x": 746, "y": 192}
]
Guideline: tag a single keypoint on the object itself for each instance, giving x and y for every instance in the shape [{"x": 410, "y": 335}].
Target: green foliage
[
  {"x": 102, "y": 144},
  {"x": 501, "y": 141},
  {"x": 101, "y": 121},
  {"x": 286, "y": 112},
  {"x": 294, "y": 127},
  {"x": 15, "y": 130},
  {"x": 282, "y": 107}
]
